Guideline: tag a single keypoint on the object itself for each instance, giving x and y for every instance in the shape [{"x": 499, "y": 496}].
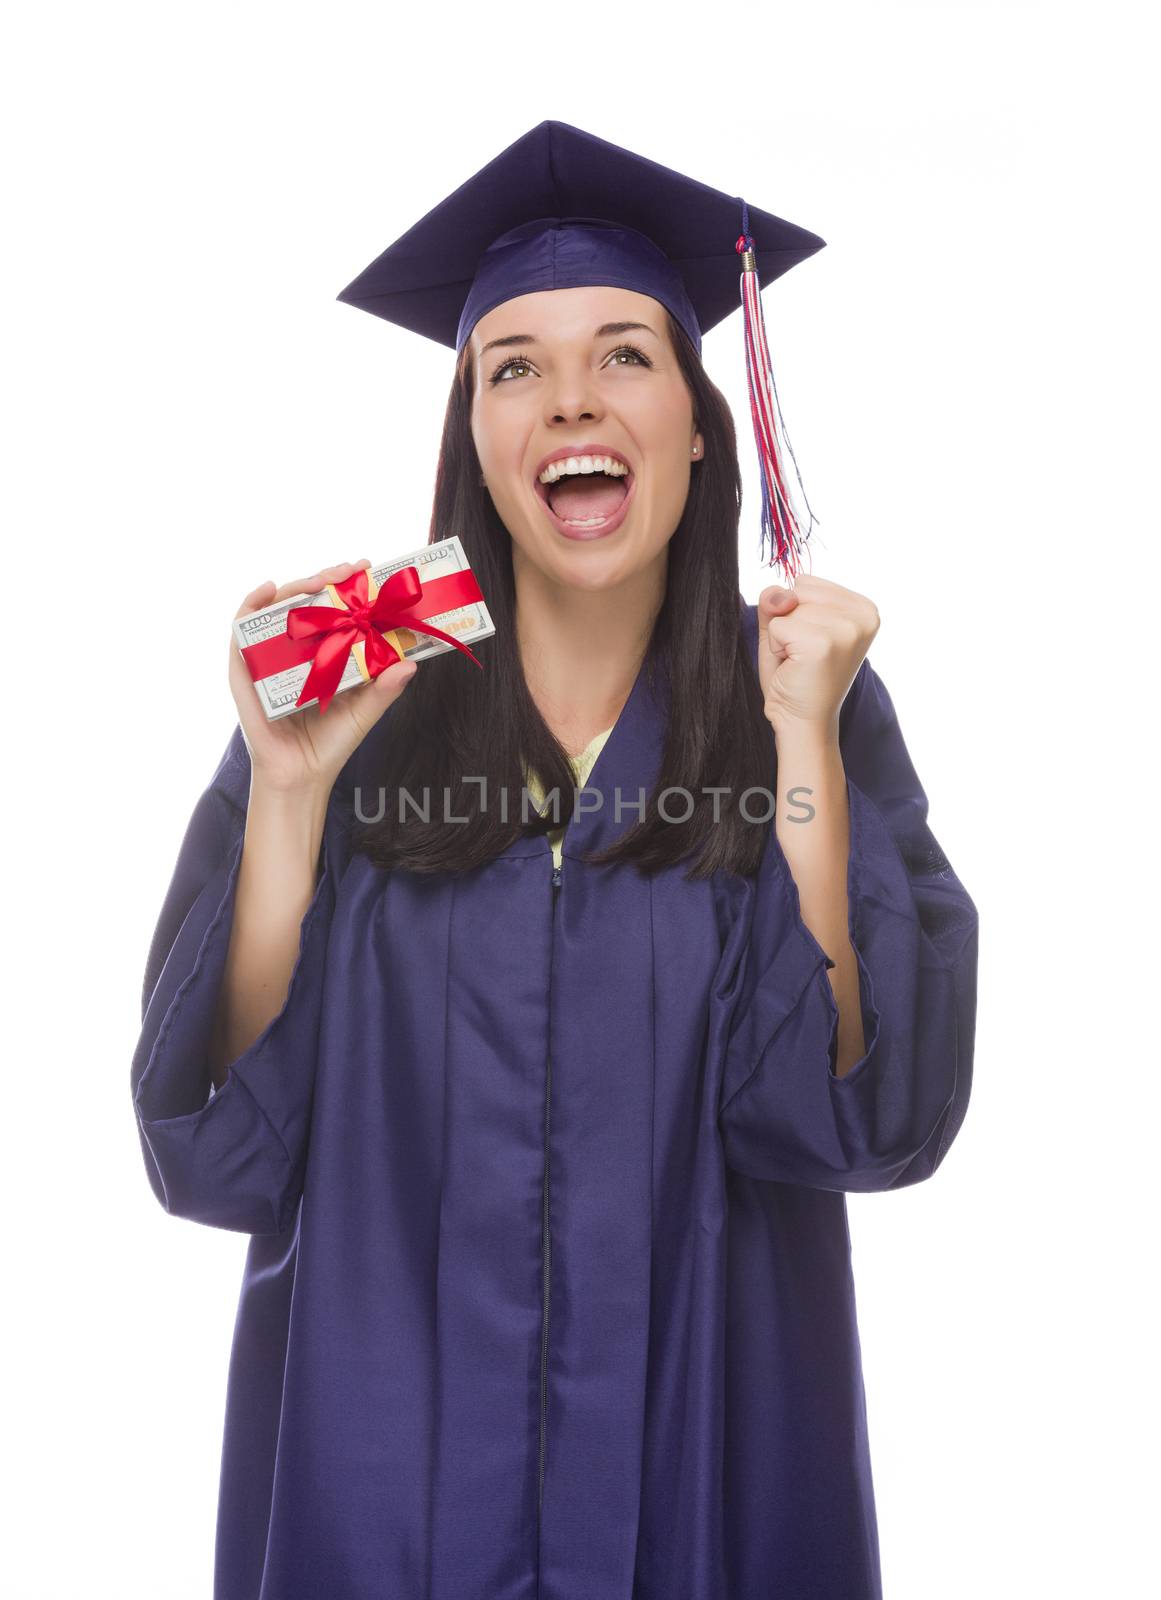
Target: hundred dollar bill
[{"x": 279, "y": 691}]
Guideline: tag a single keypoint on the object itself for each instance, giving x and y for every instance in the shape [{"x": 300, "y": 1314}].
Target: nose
[{"x": 571, "y": 395}]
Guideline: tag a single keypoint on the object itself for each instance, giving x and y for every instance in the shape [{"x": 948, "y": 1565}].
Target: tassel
[{"x": 781, "y": 523}]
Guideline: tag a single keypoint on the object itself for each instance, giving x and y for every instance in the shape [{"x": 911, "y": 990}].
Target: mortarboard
[{"x": 562, "y": 209}]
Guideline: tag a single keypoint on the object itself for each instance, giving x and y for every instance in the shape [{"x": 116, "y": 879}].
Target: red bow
[{"x": 330, "y": 631}]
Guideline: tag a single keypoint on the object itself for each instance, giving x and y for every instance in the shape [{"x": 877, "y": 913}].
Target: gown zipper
[{"x": 546, "y": 1253}]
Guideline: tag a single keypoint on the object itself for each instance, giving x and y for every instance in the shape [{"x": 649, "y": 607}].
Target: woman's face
[{"x": 564, "y": 370}]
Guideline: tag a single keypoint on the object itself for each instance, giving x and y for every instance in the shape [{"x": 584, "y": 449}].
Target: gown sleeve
[
  {"x": 785, "y": 1114},
  {"x": 231, "y": 1157}
]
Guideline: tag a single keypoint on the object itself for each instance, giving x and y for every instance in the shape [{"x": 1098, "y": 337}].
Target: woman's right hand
[{"x": 306, "y": 751}]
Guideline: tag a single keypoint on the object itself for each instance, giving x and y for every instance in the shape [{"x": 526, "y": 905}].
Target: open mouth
[{"x": 587, "y": 504}]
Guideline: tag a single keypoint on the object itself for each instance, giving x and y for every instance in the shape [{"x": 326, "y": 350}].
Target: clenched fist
[{"x": 812, "y": 640}]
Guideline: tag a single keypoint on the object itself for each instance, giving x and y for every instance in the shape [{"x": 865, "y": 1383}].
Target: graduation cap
[{"x": 562, "y": 209}]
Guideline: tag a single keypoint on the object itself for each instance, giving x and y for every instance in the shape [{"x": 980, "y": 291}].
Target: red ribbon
[{"x": 325, "y": 635}]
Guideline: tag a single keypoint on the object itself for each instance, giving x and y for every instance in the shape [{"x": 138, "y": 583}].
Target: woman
[{"x": 543, "y": 1142}]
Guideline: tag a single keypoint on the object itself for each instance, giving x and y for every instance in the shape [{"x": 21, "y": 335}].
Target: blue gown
[{"x": 548, "y": 1294}]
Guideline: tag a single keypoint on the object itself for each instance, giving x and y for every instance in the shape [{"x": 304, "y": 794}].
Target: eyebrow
[{"x": 605, "y": 331}]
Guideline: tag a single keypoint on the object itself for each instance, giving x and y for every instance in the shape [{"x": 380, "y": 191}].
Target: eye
[
  {"x": 640, "y": 359},
  {"x": 512, "y": 361},
  {"x": 632, "y": 350}
]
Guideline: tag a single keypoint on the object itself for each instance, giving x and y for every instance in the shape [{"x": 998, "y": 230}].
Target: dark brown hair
[{"x": 456, "y": 720}]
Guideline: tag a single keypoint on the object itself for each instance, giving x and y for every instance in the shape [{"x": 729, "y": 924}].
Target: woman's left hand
[{"x": 811, "y": 642}]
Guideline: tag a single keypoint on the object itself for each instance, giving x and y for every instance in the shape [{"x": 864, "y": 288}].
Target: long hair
[{"x": 456, "y": 723}]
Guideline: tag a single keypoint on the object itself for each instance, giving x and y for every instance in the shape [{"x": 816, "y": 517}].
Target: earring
[{"x": 695, "y": 449}]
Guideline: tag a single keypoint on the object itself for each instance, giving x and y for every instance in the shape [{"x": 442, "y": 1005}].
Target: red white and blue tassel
[{"x": 782, "y": 524}]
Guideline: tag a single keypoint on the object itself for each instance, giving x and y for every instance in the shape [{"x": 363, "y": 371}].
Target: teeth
[{"x": 574, "y": 464}]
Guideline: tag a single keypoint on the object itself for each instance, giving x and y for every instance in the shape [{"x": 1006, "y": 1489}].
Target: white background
[{"x": 968, "y": 373}]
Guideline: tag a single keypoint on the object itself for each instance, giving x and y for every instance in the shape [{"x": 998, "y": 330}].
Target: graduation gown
[{"x": 548, "y": 1291}]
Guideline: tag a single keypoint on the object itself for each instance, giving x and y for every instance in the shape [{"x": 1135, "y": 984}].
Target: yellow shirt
[{"x": 582, "y": 765}]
